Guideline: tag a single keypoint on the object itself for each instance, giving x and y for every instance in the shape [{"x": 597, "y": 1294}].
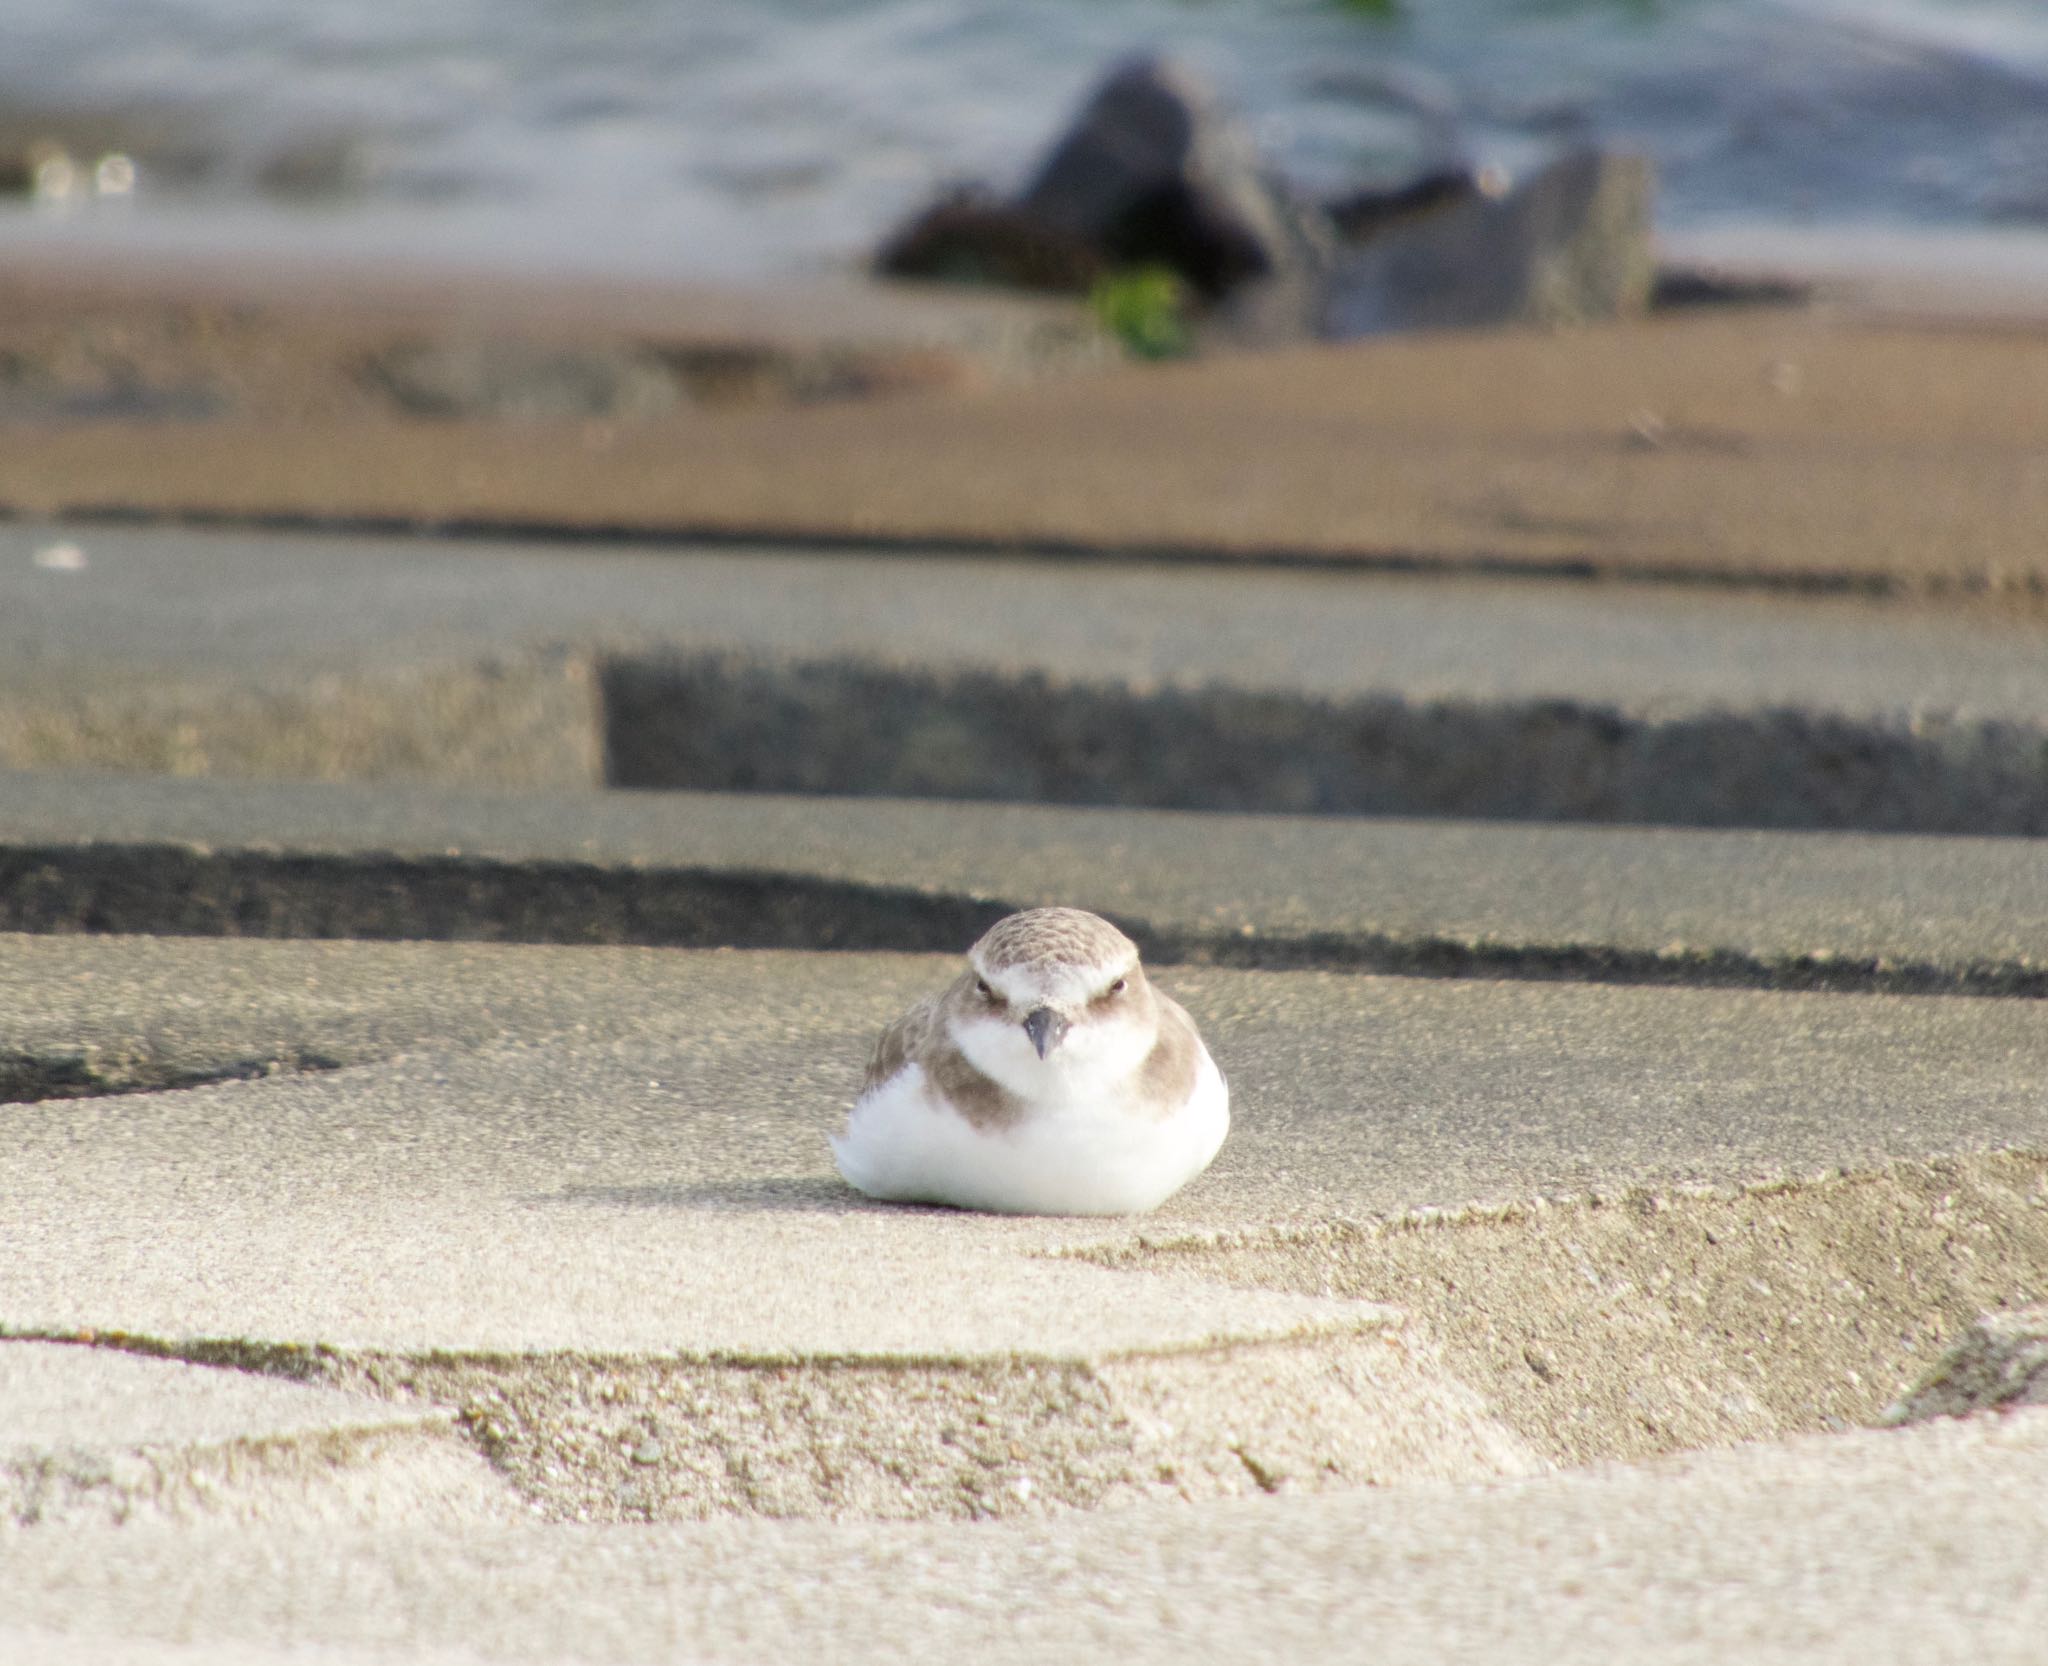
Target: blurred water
[{"x": 722, "y": 137}]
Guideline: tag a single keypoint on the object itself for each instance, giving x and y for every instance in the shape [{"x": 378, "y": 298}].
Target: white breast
[{"x": 905, "y": 1145}]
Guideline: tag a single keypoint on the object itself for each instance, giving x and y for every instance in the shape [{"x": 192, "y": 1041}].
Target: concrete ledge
[
  {"x": 1848, "y": 912},
  {"x": 1660, "y": 1319},
  {"x": 531, "y": 720},
  {"x": 712, "y": 723},
  {"x": 1890, "y": 1546},
  {"x": 650, "y": 1439},
  {"x": 551, "y": 665},
  {"x": 96, "y": 1437}
]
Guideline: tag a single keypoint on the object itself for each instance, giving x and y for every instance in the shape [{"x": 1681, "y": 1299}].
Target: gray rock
[{"x": 1570, "y": 245}]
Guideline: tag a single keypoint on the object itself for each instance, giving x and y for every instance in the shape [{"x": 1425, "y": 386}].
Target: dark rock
[
  {"x": 1154, "y": 171},
  {"x": 1570, "y": 245},
  {"x": 310, "y": 165},
  {"x": 968, "y": 237}
]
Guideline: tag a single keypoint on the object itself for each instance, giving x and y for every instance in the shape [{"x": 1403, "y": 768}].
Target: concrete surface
[
  {"x": 162, "y": 602},
  {"x": 89, "y": 1436},
  {"x": 1877, "y": 1547},
  {"x": 526, "y": 665},
  {"x": 134, "y": 853},
  {"x": 584, "y": 1196},
  {"x": 440, "y": 1301},
  {"x": 1808, "y": 450}
]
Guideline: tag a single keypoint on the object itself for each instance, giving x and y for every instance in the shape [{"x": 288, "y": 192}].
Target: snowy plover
[{"x": 1049, "y": 1078}]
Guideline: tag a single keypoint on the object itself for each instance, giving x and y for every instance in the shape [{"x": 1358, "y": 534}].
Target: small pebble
[
  {"x": 61, "y": 558},
  {"x": 114, "y": 175},
  {"x": 647, "y": 1452}
]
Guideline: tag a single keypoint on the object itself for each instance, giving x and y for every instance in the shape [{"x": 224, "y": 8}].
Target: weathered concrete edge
[
  {"x": 838, "y": 540},
  {"x": 1138, "y": 1246},
  {"x": 693, "y": 720},
  {"x": 322, "y": 1361},
  {"x": 169, "y": 889},
  {"x": 207, "y": 1474},
  {"x": 1007, "y": 1434}
]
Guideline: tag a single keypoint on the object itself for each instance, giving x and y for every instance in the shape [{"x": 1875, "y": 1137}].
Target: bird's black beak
[{"x": 1045, "y": 1028}]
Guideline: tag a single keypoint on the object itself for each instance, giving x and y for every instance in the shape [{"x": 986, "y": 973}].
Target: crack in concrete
[{"x": 26, "y": 1078}]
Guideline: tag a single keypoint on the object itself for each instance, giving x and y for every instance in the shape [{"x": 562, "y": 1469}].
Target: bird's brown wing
[{"x": 903, "y": 1040}]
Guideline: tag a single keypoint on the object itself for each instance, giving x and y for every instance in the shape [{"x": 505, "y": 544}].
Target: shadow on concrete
[
  {"x": 729, "y": 723},
  {"x": 776, "y": 1195}
]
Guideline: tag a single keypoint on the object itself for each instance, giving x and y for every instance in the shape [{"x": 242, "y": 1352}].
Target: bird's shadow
[{"x": 775, "y": 1194}]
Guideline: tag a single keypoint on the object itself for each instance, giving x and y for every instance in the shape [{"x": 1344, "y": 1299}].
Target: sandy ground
[{"x": 1825, "y": 448}]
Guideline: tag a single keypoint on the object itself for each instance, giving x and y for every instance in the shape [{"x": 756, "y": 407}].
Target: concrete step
[
  {"x": 549, "y": 665},
  {"x": 1895, "y": 913}
]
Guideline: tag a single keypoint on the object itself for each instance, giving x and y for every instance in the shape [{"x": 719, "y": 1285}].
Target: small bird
[{"x": 1049, "y": 1078}]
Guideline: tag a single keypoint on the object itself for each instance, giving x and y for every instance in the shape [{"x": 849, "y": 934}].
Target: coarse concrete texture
[
  {"x": 89, "y": 1648},
  {"x": 1780, "y": 449},
  {"x": 544, "y": 664},
  {"x": 1866, "y": 1549},
  {"x": 91, "y": 1436},
  {"x": 133, "y": 853},
  {"x": 1662, "y": 1319},
  {"x": 609, "y": 1233}
]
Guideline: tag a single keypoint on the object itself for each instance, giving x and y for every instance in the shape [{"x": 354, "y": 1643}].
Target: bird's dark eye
[
  {"x": 982, "y": 989},
  {"x": 1119, "y": 986}
]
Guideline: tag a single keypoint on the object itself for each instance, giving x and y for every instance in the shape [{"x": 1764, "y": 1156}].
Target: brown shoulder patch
[
  {"x": 895, "y": 1045},
  {"x": 1167, "y": 1077},
  {"x": 921, "y": 1034},
  {"x": 984, "y": 1103}
]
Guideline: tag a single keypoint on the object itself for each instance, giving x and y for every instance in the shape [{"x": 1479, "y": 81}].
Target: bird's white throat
[{"x": 1095, "y": 1062}]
